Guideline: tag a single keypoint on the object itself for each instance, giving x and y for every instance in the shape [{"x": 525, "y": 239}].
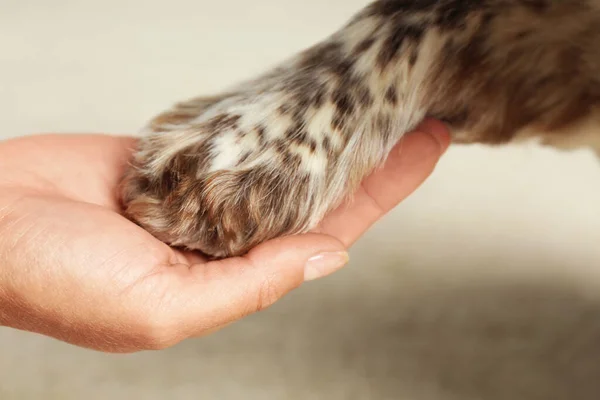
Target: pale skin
[{"x": 72, "y": 268}]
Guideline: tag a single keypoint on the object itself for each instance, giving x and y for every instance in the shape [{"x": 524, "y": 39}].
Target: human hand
[{"x": 71, "y": 267}]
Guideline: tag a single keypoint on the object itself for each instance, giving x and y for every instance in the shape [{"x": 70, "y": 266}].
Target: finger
[
  {"x": 217, "y": 293},
  {"x": 413, "y": 160},
  {"x": 407, "y": 167}
]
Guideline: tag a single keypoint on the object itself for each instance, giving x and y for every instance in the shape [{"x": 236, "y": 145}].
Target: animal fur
[{"x": 272, "y": 156}]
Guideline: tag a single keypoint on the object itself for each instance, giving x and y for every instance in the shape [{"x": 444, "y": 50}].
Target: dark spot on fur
[
  {"x": 260, "y": 132},
  {"x": 326, "y": 144},
  {"x": 343, "y": 102},
  {"x": 453, "y": 14},
  {"x": 383, "y": 126},
  {"x": 296, "y": 132},
  {"x": 244, "y": 157},
  {"x": 337, "y": 122},
  {"x": 363, "y": 96},
  {"x": 292, "y": 160},
  {"x": 393, "y": 44},
  {"x": 284, "y": 109},
  {"x": 343, "y": 67},
  {"x": 281, "y": 147},
  {"x": 363, "y": 46},
  {"x": 222, "y": 122},
  {"x": 391, "y": 95},
  {"x": 414, "y": 55},
  {"x": 144, "y": 184},
  {"x": 319, "y": 97}
]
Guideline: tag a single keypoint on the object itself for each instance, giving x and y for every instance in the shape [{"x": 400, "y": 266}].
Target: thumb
[{"x": 223, "y": 291}]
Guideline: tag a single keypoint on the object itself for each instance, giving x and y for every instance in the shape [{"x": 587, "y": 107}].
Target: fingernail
[{"x": 324, "y": 264}]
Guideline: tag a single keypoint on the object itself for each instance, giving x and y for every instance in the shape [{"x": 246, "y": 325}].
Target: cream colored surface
[{"x": 483, "y": 285}]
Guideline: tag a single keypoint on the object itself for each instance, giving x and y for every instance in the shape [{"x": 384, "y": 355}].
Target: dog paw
[
  {"x": 223, "y": 175},
  {"x": 274, "y": 155}
]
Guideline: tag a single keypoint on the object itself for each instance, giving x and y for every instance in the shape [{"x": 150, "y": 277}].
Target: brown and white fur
[{"x": 273, "y": 155}]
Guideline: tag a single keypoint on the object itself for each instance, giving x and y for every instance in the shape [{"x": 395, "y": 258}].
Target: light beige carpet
[{"x": 485, "y": 285}]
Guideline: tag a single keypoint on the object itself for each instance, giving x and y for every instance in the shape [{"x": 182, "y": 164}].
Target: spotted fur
[{"x": 273, "y": 155}]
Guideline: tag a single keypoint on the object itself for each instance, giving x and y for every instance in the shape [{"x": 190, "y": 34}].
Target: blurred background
[{"x": 483, "y": 285}]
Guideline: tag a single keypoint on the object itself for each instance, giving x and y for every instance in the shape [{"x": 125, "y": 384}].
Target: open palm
[{"x": 73, "y": 268}]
